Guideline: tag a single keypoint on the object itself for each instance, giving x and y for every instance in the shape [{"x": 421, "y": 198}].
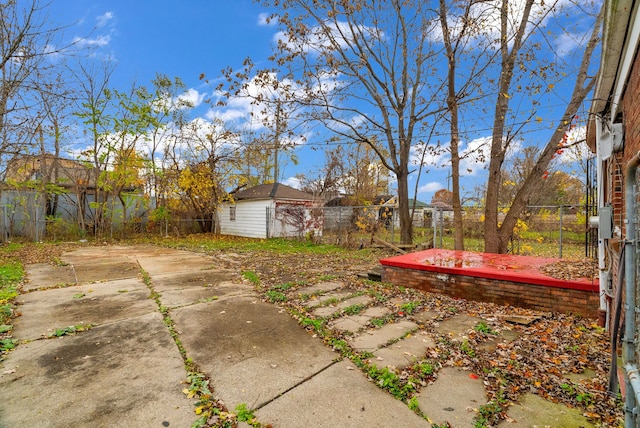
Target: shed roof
[
  {"x": 272, "y": 191},
  {"x": 419, "y": 204}
]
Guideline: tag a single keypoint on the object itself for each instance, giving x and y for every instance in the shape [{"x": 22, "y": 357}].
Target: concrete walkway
[{"x": 126, "y": 370}]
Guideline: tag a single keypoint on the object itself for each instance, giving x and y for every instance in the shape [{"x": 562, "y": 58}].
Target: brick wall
[
  {"x": 631, "y": 122},
  {"x": 538, "y": 297}
]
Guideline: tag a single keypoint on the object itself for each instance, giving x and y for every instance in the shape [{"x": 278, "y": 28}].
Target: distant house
[
  {"x": 24, "y": 203},
  {"x": 342, "y": 212},
  {"x": 39, "y": 188},
  {"x": 65, "y": 173},
  {"x": 269, "y": 211},
  {"x": 441, "y": 212},
  {"x": 422, "y": 213}
]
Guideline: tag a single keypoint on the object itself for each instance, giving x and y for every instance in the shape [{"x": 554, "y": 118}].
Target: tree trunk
[
  {"x": 406, "y": 225},
  {"x": 497, "y": 238},
  {"x": 454, "y": 145},
  {"x": 494, "y": 238}
]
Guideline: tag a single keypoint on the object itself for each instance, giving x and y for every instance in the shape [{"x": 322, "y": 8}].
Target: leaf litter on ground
[{"x": 547, "y": 351}]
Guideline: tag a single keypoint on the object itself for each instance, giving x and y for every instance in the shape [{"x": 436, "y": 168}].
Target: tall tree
[
  {"x": 559, "y": 188},
  {"x": 362, "y": 68},
  {"x": 92, "y": 108},
  {"x": 458, "y": 31},
  {"x": 26, "y": 38},
  {"x": 53, "y": 120},
  {"x": 210, "y": 167},
  {"x": 168, "y": 113},
  {"x": 517, "y": 24}
]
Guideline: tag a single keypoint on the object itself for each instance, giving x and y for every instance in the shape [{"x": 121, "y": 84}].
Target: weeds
[
  {"x": 413, "y": 405},
  {"x": 70, "y": 330},
  {"x": 409, "y": 308},
  {"x": 584, "y": 398},
  {"x": 274, "y": 296},
  {"x": 7, "y": 344},
  {"x": 316, "y": 324},
  {"x": 425, "y": 369},
  {"x": 380, "y": 321},
  {"x": 483, "y": 327},
  {"x": 387, "y": 379},
  {"x": 466, "y": 348},
  {"x": 487, "y": 414},
  {"x": 11, "y": 273},
  {"x": 286, "y": 286},
  {"x": 246, "y": 415},
  {"x": 354, "y": 309},
  {"x": 252, "y": 277}
]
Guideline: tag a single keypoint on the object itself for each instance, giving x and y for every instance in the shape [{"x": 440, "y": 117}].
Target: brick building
[{"x": 614, "y": 135}]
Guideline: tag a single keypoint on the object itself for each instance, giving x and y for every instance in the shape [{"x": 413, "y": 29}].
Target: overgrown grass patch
[
  {"x": 208, "y": 242},
  {"x": 11, "y": 273},
  {"x": 252, "y": 277},
  {"x": 275, "y": 296}
]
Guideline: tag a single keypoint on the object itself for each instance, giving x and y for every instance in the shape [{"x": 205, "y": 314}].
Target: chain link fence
[{"x": 555, "y": 231}]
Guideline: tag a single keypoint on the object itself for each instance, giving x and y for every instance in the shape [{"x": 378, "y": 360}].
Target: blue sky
[{"x": 186, "y": 38}]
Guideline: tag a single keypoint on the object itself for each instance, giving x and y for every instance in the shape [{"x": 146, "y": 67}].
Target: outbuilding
[{"x": 270, "y": 211}]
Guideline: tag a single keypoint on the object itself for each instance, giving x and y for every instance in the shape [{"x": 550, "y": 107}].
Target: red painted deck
[{"x": 522, "y": 269}]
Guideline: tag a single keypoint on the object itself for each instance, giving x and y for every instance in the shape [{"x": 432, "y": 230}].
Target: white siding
[
  {"x": 295, "y": 219},
  {"x": 251, "y": 219}
]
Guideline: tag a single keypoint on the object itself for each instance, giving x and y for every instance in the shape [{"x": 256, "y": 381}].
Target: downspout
[
  {"x": 632, "y": 378},
  {"x": 602, "y": 273}
]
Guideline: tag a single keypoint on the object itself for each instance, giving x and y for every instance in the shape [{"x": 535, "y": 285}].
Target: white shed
[{"x": 269, "y": 211}]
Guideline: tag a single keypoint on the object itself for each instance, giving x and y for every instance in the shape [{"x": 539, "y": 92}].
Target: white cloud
[
  {"x": 475, "y": 156},
  {"x": 327, "y": 36},
  {"x": 102, "y": 20},
  {"x": 567, "y": 42},
  {"x": 577, "y": 150},
  {"x": 99, "y": 41},
  {"x": 267, "y": 20},
  {"x": 433, "y": 186},
  {"x": 192, "y": 98},
  {"x": 292, "y": 182},
  {"x": 434, "y": 156},
  {"x": 488, "y": 17}
]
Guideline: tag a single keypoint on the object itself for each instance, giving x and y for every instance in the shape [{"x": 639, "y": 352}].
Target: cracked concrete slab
[
  {"x": 127, "y": 373},
  {"x": 372, "y": 340},
  {"x": 404, "y": 352},
  {"x": 317, "y": 301},
  {"x": 98, "y": 303},
  {"x": 453, "y": 398},
  {"x": 326, "y": 311},
  {"x": 44, "y": 275},
  {"x": 457, "y": 326},
  {"x": 321, "y": 287},
  {"x": 354, "y": 323},
  {"x": 171, "y": 263},
  {"x": 533, "y": 411},
  {"x": 96, "y": 271},
  {"x": 491, "y": 343},
  {"x": 185, "y": 288},
  {"x": 340, "y": 396},
  {"x": 425, "y": 317},
  {"x": 252, "y": 350}
]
